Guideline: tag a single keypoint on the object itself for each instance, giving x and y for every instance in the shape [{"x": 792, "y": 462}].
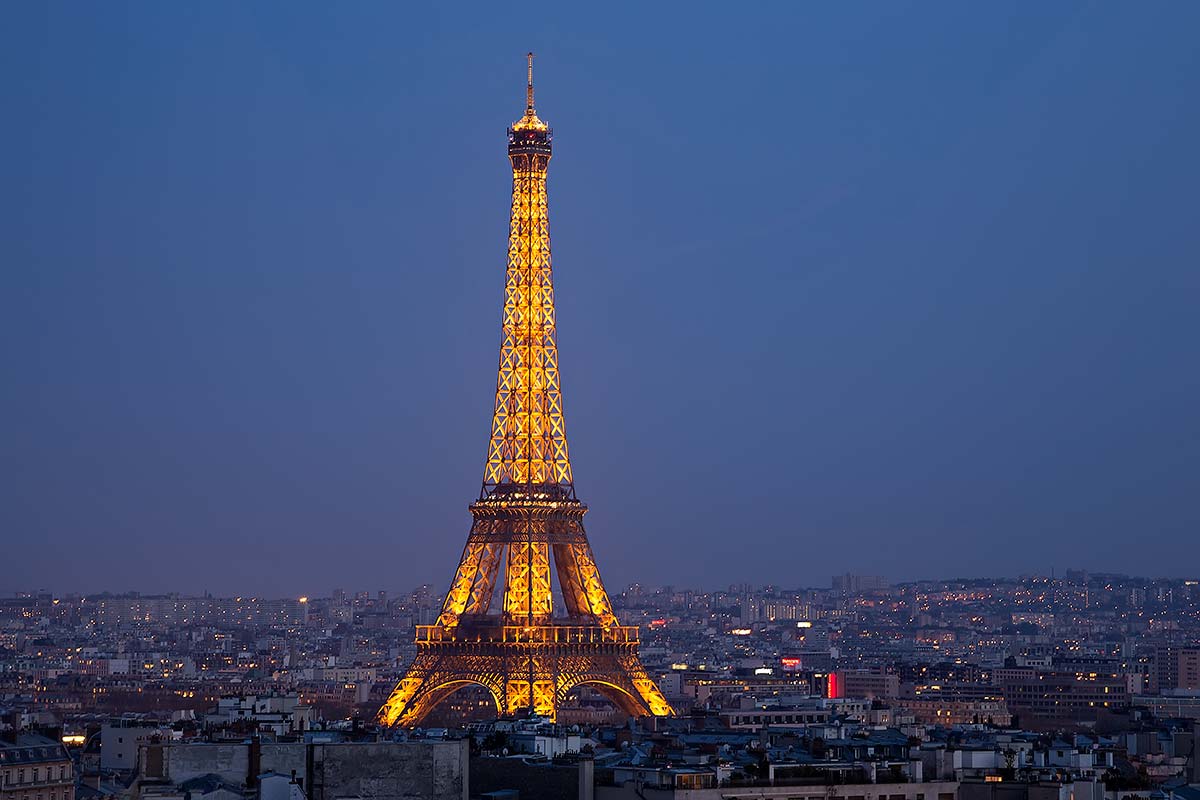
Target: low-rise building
[
  {"x": 420, "y": 770},
  {"x": 34, "y": 767}
]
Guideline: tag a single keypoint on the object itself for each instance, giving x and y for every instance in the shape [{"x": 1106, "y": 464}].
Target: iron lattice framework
[{"x": 527, "y": 516}]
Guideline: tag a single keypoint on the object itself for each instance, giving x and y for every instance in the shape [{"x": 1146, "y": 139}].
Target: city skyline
[
  {"x": 1067, "y": 576},
  {"x": 1088, "y": 684},
  {"x": 936, "y": 319}
]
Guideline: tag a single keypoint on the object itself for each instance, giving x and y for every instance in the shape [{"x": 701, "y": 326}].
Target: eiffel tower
[{"x": 525, "y": 651}]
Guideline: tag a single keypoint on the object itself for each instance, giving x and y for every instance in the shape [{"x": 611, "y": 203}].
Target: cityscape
[
  {"x": 225, "y": 351},
  {"x": 1085, "y": 681}
]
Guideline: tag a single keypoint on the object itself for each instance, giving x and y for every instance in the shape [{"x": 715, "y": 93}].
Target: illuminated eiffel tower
[{"x": 527, "y": 653}]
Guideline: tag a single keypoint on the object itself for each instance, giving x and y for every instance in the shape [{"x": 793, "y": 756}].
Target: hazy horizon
[{"x": 613, "y": 589}]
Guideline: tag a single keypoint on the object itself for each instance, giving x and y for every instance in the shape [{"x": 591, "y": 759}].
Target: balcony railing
[{"x": 541, "y": 634}]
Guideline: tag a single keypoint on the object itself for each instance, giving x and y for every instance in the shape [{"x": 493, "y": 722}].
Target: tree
[{"x": 496, "y": 740}]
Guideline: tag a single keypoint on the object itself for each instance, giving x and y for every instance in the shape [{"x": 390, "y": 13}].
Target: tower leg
[
  {"x": 429, "y": 680},
  {"x": 621, "y": 678}
]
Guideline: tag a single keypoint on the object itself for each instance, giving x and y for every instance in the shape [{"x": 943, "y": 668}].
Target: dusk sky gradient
[{"x": 907, "y": 289}]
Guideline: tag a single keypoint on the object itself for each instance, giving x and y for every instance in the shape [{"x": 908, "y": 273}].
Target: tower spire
[
  {"x": 530, "y": 121},
  {"x": 529, "y": 91}
]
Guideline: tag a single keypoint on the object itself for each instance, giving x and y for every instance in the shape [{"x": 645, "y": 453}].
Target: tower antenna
[{"x": 529, "y": 90}]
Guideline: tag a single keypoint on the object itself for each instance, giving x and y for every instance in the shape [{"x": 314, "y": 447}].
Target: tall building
[
  {"x": 1057, "y": 698},
  {"x": 1176, "y": 668},
  {"x": 852, "y": 584},
  {"x": 871, "y": 684},
  {"x": 526, "y": 652}
]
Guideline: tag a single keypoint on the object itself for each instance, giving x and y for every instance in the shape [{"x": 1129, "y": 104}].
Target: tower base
[{"x": 524, "y": 669}]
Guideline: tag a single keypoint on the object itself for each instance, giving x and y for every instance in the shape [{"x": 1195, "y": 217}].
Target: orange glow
[{"x": 527, "y": 520}]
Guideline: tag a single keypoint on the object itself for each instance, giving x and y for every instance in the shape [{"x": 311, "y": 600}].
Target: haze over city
[{"x": 909, "y": 293}]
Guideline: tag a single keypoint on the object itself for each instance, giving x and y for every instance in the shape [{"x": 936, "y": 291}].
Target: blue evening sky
[{"x": 898, "y": 288}]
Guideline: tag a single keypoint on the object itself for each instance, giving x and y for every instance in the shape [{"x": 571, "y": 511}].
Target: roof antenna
[{"x": 529, "y": 91}]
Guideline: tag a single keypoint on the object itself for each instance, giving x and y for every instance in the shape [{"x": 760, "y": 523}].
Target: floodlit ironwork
[{"x": 527, "y": 517}]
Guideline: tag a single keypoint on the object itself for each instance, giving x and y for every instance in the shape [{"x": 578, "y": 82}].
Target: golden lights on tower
[{"x": 527, "y": 522}]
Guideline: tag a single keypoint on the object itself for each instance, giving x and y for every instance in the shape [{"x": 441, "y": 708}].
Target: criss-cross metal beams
[
  {"x": 528, "y": 445},
  {"x": 521, "y": 532},
  {"x": 527, "y": 521},
  {"x": 532, "y": 534}
]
